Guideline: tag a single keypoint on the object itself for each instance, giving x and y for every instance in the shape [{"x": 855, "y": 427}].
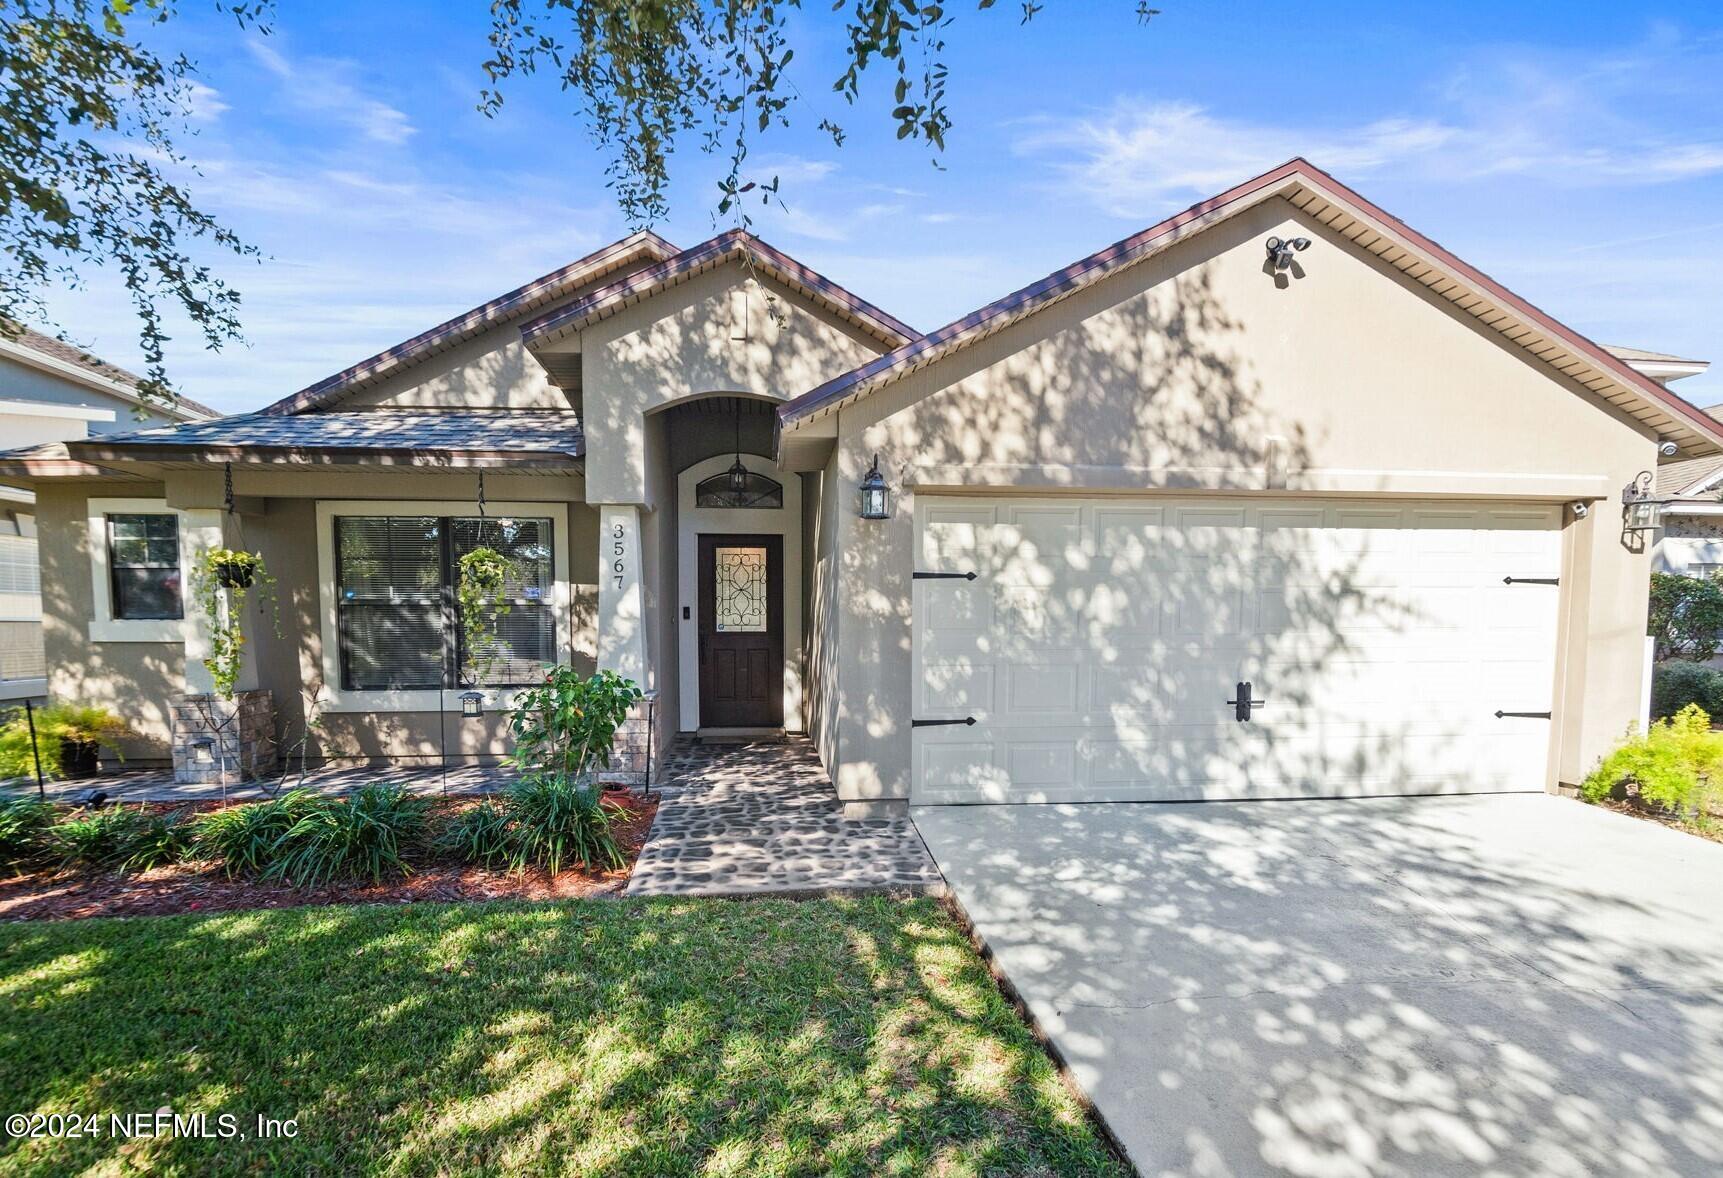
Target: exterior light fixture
[
  {"x": 875, "y": 496},
  {"x": 738, "y": 473},
  {"x": 1281, "y": 249},
  {"x": 472, "y": 704},
  {"x": 1641, "y": 511}
]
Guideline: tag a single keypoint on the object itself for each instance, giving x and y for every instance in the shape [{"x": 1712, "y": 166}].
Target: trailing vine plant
[
  {"x": 223, "y": 579},
  {"x": 480, "y": 594}
]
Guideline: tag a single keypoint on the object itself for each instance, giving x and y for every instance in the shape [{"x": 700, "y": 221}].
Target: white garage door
[{"x": 1099, "y": 647}]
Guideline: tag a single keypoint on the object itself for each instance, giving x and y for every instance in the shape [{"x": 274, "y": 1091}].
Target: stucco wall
[
  {"x": 714, "y": 333},
  {"x": 22, "y": 382},
  {"x": 136, "y": 679},
  {"x": 1202, "y": 370}
]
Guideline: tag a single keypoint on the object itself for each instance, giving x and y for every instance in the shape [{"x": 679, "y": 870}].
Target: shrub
[
  {"x": 1674, "y": 766},
  {"x": 561, "y": 820},
  {"x": 483, "y": 835},
  {"x": 366, "y": 835},
  {"x": 24, "y": 839},
  {"x": 1676, "y": 684},
  {"x": 99, "y": 838},
  {"x": 1686, "y": 616},
  {"x": 161, "y": 839},
  {"x": 566, "y": 726},
  {"x": 245, "y": 839},
  {"x": 70, "y": 722}
]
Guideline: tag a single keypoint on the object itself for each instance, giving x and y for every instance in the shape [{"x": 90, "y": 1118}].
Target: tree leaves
[{"x": 88, "y": 118}]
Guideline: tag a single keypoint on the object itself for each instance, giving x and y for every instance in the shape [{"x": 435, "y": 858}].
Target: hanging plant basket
[{"x": 235, "y": 574}]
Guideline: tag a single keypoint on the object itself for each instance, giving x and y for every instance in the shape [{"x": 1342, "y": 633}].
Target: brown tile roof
[
  {"x": 1318, "y": 193},
  {"x": 68, "y": 353},
  {"x": 735, "y": 243},
  {"x": 464, "y": 326}
]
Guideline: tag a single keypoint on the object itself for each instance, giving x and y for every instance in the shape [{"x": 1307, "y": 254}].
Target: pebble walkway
[{"x": 752, "y": 819}]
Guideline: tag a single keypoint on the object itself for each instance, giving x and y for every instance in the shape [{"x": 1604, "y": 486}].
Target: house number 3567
[{"x": 619, "y": 553}]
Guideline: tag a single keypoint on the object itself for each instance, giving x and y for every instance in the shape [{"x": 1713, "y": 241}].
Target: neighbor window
[
  {"x": 395, "y": 579},
  {"x": 143, "y": 564}
]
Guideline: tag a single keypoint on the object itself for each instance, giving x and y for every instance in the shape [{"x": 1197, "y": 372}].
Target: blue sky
[{"x": 1572, "y": 150}]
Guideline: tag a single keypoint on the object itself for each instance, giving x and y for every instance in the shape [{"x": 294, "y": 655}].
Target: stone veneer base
[{"x": 223, "y": 741}]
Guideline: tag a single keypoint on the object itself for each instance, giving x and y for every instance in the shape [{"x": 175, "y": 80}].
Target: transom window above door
[
  {"x": 398, "y": 618},
  {"x": 757, "y": 490}
]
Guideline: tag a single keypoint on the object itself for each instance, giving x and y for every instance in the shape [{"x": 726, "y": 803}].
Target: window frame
[
  {"x": 104, "y": 626},
  {"x": 446, "y": 699},
  {"x": 114, "y": 565}
]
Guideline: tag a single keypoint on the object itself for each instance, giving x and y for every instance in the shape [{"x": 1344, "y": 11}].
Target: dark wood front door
[{"x": 741, "y": 632}]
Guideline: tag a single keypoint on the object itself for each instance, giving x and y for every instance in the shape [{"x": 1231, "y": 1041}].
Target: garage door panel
[{"x": 1102, "y": 639}]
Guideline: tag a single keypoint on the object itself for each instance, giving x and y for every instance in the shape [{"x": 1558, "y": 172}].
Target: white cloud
[
  {"x": 324, "y": 86},
  {"x": 203, "y": 103},
  {"x": 1573, "y": 123}
]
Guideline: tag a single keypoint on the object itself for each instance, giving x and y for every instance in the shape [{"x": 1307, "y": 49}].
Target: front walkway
[{"x": 751, "y": 819}]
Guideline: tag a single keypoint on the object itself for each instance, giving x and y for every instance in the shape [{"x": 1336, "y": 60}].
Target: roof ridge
[{"x": 608, "y": 299}]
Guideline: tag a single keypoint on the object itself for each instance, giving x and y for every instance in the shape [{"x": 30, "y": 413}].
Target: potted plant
[
  {"x": 224, "y": 578},
  {"x": 481, "y": 595},
  {"x": 68, "y": 740}
]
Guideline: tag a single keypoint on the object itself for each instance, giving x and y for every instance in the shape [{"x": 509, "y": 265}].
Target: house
[
  {"x": 1689, "y": 538},
  {"x": 50, "y": 391},
  {"x": 1274, "y": 498}
]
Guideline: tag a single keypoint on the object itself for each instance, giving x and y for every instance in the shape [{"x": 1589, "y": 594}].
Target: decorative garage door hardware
[
  {"x": 968, "y": 721},
  {"x": 1531, "y": 580},
  {"x": 1525, "y": 715},
  {"x": 1242, "y": 705},
  {"x": 943, "y": 576}
]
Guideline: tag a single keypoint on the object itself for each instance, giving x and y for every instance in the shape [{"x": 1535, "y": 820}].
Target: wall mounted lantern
[
  {"x": 875, "y": 497},
  {"x": 472, "y": 704},
  {"x": 1641, "y": 511}
]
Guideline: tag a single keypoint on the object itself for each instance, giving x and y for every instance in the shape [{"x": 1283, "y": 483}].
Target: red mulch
[{"x": 71, "y": 895}]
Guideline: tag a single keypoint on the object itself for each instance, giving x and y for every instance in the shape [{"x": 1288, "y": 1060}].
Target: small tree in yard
[
  {"x": 1686, "y": 616},
  {"x": 566, "y": 726}
]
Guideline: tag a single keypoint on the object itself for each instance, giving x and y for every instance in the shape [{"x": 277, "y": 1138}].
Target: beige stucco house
[{"x": 1276, "y": 497}]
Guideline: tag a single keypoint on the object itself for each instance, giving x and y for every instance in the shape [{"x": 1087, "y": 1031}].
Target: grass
[{"x": 636, "y": 1037}]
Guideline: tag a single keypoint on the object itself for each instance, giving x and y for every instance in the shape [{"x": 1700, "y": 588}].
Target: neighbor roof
[
  {"x": 411, "y": 437},
  {"x": 728, "y": 246},
  {"x": 517, "y": 302},
  {"x": 1346, "y": 212},
  {"x": 56, "y": 355}
]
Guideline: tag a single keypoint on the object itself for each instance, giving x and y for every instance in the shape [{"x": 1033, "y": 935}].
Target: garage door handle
[
  {"x": 1531, "y": 580},
  {"x": 920, "y": 576},
  {"x": 967, "y": 720},
  {"x": 1242, "y": 705},
  {"x": 1524, "y": 715}
]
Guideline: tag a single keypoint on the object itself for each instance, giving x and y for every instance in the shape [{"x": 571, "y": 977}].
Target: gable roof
[
  {"x": 1343, "y": 210},
  {"x": 731, "y": 245},
  {"x": 517, "y": 302},
  {"x": 1660, "y": 366},
  {"x": 74, "y": 363}
]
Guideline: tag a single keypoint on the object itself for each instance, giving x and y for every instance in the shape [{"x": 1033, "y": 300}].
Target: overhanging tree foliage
[
  {"x": 646, "y": 73},
  {"x": 88, "y": 123}
]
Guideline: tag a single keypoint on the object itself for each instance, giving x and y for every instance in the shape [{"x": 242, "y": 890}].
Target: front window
[
  {"x": 143, "y": 561},
  {"x": 396, "y": 604}
]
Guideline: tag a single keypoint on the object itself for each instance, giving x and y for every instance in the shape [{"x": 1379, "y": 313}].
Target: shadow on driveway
[{"x": 1511, "y": 984}]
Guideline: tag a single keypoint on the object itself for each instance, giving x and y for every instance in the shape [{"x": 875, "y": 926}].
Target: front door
[{"x": 741, "y": 632}]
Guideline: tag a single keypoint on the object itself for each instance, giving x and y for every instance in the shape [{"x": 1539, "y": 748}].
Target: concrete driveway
[{"x": 1493, "y": 985}]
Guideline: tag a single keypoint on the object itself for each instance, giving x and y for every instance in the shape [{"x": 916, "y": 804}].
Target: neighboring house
[
  {"x": 1359, "y": 482},
  {"x": 1690, "y": 540},
  {"x": 52, "y": 391}
]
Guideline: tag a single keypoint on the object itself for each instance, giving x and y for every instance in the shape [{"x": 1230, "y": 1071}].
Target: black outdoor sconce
[
  {"x": 1641, "y": 510},
  {"x": 875, "y": 496}
]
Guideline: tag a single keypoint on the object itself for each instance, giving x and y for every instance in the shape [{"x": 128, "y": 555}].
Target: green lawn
[{"x": 597, "y": 1037}]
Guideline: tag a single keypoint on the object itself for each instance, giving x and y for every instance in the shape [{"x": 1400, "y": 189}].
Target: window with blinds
[
  {"x": 396, "y": 611},
  {"x": 20, "y": 568},
  {"x": 143, "y": 562}
]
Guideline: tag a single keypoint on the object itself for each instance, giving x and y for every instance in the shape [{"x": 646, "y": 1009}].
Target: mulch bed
[
  {"x": 164, "y": 891},
  {"x": 1712, "y": 830}
]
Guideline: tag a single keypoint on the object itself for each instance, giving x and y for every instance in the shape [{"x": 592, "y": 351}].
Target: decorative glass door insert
[{"x": 740, "y": 590}]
